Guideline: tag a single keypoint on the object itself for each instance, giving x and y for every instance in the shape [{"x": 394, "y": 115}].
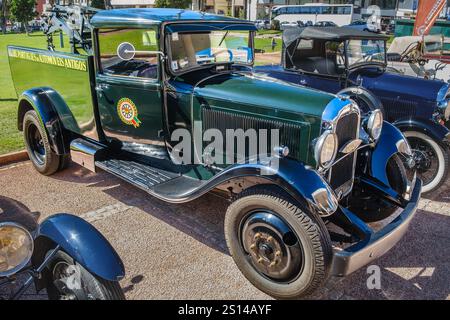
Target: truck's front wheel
[
  {"x": 280, "y": 248},
  {"x": 36, "y": 141}
]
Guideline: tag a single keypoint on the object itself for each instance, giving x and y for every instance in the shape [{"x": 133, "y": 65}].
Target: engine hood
[
  {"x": 263, "y": 92},
  {"x": 392, "y": 85}
]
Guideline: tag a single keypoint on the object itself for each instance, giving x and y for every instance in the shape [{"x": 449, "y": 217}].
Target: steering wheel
[{"x": 222, "y": 51}]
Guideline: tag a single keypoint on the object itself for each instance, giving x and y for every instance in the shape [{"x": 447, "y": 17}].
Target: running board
[
  {"x": 165, "y": 185},
  {"x": 85, "y": 153}
]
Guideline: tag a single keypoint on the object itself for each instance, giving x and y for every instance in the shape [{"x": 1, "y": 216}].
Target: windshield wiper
[{"x": 223, "y": 38}]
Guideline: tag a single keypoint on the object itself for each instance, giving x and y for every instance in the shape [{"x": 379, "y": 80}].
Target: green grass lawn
[
  {"x": 266, "y": 44},
  {"x": 274, "y": 32},
  {"x": 10, "y": 137}
]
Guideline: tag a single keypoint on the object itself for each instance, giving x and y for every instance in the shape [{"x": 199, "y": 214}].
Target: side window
[
  {"x": 139, "y": 63},
  {"x": 340, "y": 56},
  {"x": 305, "y": 44}
]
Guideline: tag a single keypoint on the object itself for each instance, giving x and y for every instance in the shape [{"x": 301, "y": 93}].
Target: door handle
[
  {"x": 101, "y": 87},
  {"x": 303, "y": 82}
]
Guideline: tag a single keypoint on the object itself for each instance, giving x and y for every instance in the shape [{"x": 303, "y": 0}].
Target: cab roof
[
  {"x": 151, "y": 16},
  {"x": 329, "y": 33}
]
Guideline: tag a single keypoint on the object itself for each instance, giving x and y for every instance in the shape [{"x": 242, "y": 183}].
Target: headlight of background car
[
  {"x": 375, "y": 124},
  {"x": 325, "y": 149},
  {"x": 16, "y": 248},
  {"x": 444, "y": 109},
  {"x": 443, "y": 105}
]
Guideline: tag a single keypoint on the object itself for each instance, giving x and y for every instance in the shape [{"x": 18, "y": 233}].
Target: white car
[
  {"x": 364, "y": 25},
  {"x": 262, "y": 24},
  {"x": 288, "y": 24}
]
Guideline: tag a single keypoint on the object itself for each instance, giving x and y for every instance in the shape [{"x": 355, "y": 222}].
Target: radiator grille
[
  {"x": 289, "y": 134},
  {"x": 396, "y": 109},
  {"x": 342, "y": 173}
]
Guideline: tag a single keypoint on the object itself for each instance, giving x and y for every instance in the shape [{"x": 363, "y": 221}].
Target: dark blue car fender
[
  {"x": 438, "y": 132},
  {"x": 82, "y": 242},
  {"x": 390, "y": 142}
]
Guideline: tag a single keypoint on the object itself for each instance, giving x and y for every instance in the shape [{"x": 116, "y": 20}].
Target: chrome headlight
[
  {"x": 375, "y": 124},
  {"x": 325, "y": 149},
  {"x": 16, "y": 248}
]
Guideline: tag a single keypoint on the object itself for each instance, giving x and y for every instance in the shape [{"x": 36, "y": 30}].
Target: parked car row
[
  {"x": 320, "y": 152},
  {"x": 362, "y": 25}
]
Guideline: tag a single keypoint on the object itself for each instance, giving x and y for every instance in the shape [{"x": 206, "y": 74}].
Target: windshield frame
[
  {"x": 363, "y": 64},
  {"x": 206, "y": 65}
]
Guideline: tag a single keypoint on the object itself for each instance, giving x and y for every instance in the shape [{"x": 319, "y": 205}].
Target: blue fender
[
  {"x": 434, "y": 130},
  {"x": 84, "y": 244},
  {"x": 51, "y": 109},
  {"x": 386, "y": 147}
]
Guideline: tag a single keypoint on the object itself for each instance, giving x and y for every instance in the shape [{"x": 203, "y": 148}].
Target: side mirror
[{"x": 126, "y": 51}]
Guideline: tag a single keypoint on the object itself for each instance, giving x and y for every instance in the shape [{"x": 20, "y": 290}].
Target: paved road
[{"x": 179, "y": 251}]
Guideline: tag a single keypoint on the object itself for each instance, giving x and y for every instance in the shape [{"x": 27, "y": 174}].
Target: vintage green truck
[{"x": 160, "y": 93}]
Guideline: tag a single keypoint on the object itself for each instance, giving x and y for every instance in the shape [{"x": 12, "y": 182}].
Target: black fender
[
  {"x": 359, "y": 93},
  {"x": 82, "y": 242},
  {"x": 302, "y": 183},
  {"x": 437, "y": 132},
  {"x": 391, "y": 141},
  {"x": 51, "y": 109}
]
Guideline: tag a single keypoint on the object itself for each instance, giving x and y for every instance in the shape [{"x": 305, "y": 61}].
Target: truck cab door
[{"x": 129, "y": 90}]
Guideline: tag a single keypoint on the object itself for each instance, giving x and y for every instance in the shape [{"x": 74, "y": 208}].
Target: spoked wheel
[
  {"x": 67, "y": 280},
  {"x": 431, "y": 161},
  {"x": 38, "y": 147},
  {"x": 280, "y": 248}
]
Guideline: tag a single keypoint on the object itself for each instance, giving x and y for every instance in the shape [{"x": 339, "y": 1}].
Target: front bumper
[{"x": 378, "y": 243}]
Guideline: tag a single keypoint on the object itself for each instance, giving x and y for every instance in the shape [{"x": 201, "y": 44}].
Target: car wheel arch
[{"x": 38, "y": 99}]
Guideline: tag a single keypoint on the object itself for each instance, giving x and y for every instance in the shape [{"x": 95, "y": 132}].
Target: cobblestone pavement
[{"x": 179, "y": 251}]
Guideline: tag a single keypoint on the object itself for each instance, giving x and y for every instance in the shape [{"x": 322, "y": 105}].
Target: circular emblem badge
[{"x": 128, "y": 112}]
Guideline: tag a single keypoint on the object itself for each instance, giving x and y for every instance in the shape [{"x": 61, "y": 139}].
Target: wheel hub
[
  {"x": 272, "y": 247},
  {"x": 36, "y": 144},
  {"x": 421, "y": 159}
]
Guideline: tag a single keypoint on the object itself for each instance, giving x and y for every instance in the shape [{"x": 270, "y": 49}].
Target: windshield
[
  {"x": 438, "y": 47},
  {"x": 362, "y": 51},
  {"x": 191, "y": 50}
]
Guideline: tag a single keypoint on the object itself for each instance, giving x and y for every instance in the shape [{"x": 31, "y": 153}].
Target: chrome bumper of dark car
[{"x": 378, "y": 243}]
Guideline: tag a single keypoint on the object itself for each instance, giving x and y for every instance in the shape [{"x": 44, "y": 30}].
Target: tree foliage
[
  {"x": 4, "y": 10},
  {"x": 23, "y": 10},
  {"x": 99, "y": 4},
  {"x": 181, "y": 4}
]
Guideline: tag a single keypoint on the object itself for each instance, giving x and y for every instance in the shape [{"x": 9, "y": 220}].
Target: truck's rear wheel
[
  {"x": 281, "y": 249},
  {"x": 36, "y": 141}
]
